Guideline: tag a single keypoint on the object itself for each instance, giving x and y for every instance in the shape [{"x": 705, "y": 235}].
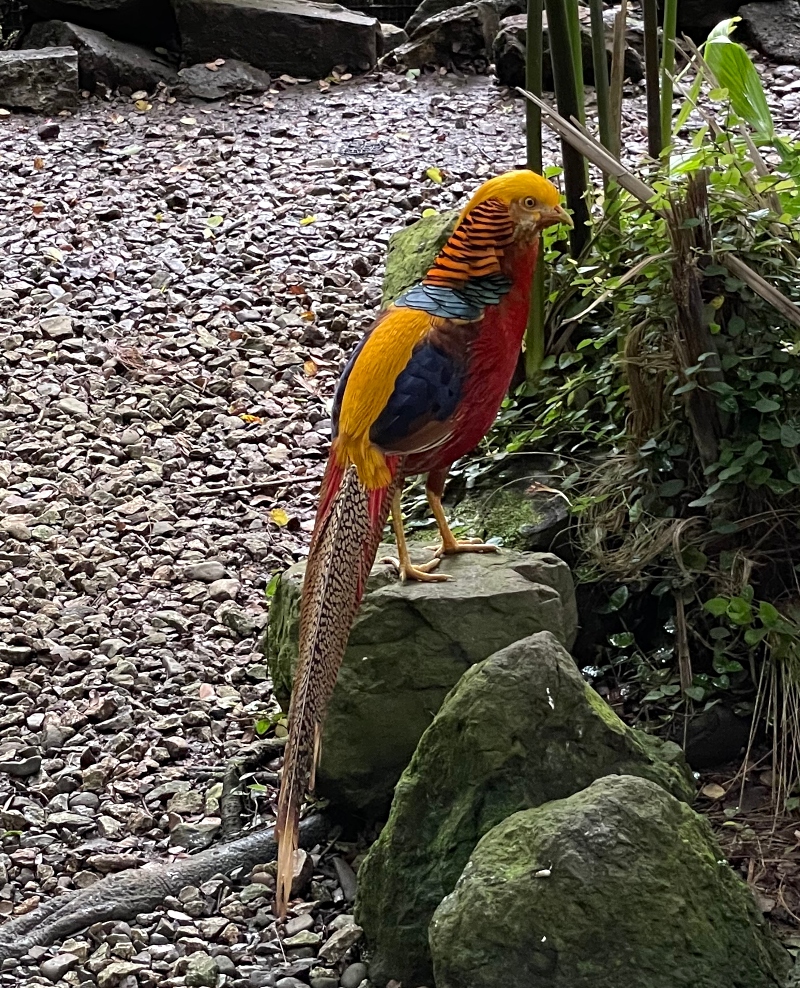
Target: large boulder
[
  {"x": 464, "y": 32},
  {"x": 410, "y": 644},
  {"x": 773, "y": 28},
  {"x": 519, "y": 730},
  {"x": 621, "y": 884},
  {"x": 102, "y": 59},
  {"x": 212, "y": 81},
  {"x": 509, "y": 53},
  {"x": 298, "y": 37},
  {"x": 430, "y": 8},
  {"x": 44, "y": 81},
  {"x": 143, "y": 22},
  {"x": 413, "y": 250}
]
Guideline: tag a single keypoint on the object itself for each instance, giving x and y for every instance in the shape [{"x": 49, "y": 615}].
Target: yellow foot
[
  {"x": 423, "y": 572},
  {"x": 461, "y": 545}
]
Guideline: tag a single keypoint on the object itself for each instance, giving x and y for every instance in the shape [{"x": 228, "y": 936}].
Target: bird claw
[
  {"x": 421, "y": 573},
  {"x": 462, "y": 545}
]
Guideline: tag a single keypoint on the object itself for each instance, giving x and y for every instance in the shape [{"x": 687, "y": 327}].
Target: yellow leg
[
  {"x": 450, "y": 544},
  {"x": 406, "y": 569}
]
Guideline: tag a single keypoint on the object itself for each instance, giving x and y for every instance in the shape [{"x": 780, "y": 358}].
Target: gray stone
[
  {"x": 430, "y": 8},
  {"x": 392, "y": 37},
  {"x": 467, "y": 30},
  {"x": 54, "y": 968},
  {"x": 22, "y": 767},
  {"x": 103, "y": 60},
  {"x": 206, "y": 572},
  {"x": 618, "y": 884},
  {"x": 410, "y": 644},
  {"x": 773, "y": 29},
  {"x": 519, "y": 730},
  {"x": 74, "y": 406},
  {"x": 57, "y": 327},
  {"x": 44, "y": 81},
  {"x": 224, "y": 589},
  {"x": 353, "y": 975},
  {"x": 223, "y": 80},
  {"x": 143, "y": 22},
  {"x": 194, "y": 836},
  {"x": 202, "y": 971},
  {"x": 509, "y": 53},
  {"x": 299, "y": 37}
]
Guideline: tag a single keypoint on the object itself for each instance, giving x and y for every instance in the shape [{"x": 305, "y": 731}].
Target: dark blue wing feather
[
  {"x": 467, "y": 302},
  {"x": 427, "y": 390}
]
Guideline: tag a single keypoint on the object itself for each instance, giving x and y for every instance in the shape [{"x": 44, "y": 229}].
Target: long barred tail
[{"x": 346, "y": 539}]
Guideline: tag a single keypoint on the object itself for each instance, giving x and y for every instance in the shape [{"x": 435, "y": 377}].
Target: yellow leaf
[
  {"x": 250, "y": 418},
  {"x": 713, "y": 791},
  {"x": 38, "y": 164},
  {"x": 54, "y": 254},
  {"x": 308, "y": 315},
  {"x": 310, "y": 368},
  {"x": 429, "y": 212},
  {"x": 215, "y": 221},
  {"x": 143, "y": 106},
  {"x": 279, "y": 516},
  {"x": 435, "y": 175},
  {"x": 308, "y": 220}
]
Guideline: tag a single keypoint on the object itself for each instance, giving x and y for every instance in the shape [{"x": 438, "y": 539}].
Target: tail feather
[{"x": 346, "y": 539}]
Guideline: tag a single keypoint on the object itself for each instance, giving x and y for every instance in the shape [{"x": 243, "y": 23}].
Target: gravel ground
[{"x": 178, "y": 289}]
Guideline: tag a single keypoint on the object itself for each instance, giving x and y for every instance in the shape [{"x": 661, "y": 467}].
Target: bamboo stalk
[
  {"x": 667, "y": 70},
  {"x": 600, "y": 64},
  {"x": 574, "y": 26},
  {"x": 654, "y": 142},
  {"x": 617, "y": 78},
  {"x": 534, "y": 334},
  {"x": 569, "y": 102}
]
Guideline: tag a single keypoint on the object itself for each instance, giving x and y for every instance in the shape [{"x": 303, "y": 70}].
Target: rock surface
[
  {"x": 102, "y": 59},
  {"x": 409, "y": 646},
  {"x": 412, "y": 251},
  {"x": 773, "y": 28},
  {"x": 297, "y": 37},
  {"x": 618, "y": 884},
  {"x": 509, "y": 53},
  {"x": 430, "y": 8},
  {"x": 142, "y": 22},
  {"x": 231, "y": 77},
  {"x": 43, "y": 81},
  {"x": 392, "y": 37},
  {"x": 463, "y": 32},
  {"x": 519, "y": 730}
]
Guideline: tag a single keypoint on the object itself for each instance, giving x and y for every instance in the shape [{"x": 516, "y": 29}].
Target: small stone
[
  {"x": 191, "y": 836},
  {"x": 57, "y": 327},
  {"x": 177, "y": 747},
  {"x": 24, "y": 767},
  {"x": 224, "y": 589},
  {"x": 111, "y": 974},
  {"x": 189, "y": 802},
  {"x": 74, "y": 406},
  {"x": 49, "y": 131},
  {"x": 305, "y": 938},
  {"x": 54, "y": 968},
  {"x": 335, "y": 947},
  {"x": 202, "y": 971},
  {"x": 206, "y": 572},
  {"x": 353, "y": 975},
  {"x": 299, "y": 923},
  {"x": 324, "y": 982},
  {"x": 288, "y": 983},
  {"x": 256, "y": 890}
]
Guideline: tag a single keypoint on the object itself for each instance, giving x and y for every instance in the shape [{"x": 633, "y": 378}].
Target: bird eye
[{"x": 529, "y": 202}]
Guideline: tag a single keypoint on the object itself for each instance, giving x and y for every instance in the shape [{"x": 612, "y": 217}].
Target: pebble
[
  {"x": 54, "y": 968},
  {"x": 207, "y": 572},
  {"x": 202, "y": 971},
  {"x": 74, "y": 406},
  {"x": 353, "y": 975}
]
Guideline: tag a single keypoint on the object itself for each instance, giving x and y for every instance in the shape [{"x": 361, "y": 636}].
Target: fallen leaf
[
  {"x": 143, "y": 106},
  {"x": 429, "y": 212},
  {"x": 215, "y": 221},
  {"x": 245, "y": 417},
  {"x": 288, "y": 79},
  {"x": 308, "y": 315},
  {"x": 37, "y": 208},
  {"x": 54, "y": 254},
  {"x": 713, "y": 791},
  {"x": 189, "y": 121},
  {"x": 38, "y": 164},
  {"x": 435, "y": 175},
  {"x": 308, "y": 220},
  {"x": 279, "y": 516},
  {"x": 296, "y": 290},
  {"x": 310, "y": 368}
]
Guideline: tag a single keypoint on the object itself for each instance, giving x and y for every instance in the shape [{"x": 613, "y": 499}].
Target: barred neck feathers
[{"x": 475, "y": 248}]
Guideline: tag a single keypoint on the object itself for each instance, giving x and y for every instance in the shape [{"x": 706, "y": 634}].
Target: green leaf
[
  {"x": 754, "y": 635},
  {"x": 790, "y": 437},
  {"x": 766, "y": 405},
  {"x": 739, "y": 611},
  {"x": 262, "y": 726},
  {"x": 793, "y": 476},
  {"x": 215, "y": 221},
  {"x": 696, "y": 693},
  {"x": 735, "y": 72},
  {"x": 272, "y": 586},
  {"x": 768, "y": 614},
  {"x": 671, "y": 488},
  {"x": 653, "y": 695},
  {"x": 623, "y": 640},
  {"x": 716, "y": 606},
  {"x": 615, "y": 601}
]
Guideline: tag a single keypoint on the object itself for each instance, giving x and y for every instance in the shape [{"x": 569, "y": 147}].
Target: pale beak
[{"x": 557, "y": 214}]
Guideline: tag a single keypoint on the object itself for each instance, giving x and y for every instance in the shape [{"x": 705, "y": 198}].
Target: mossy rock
[
  {"x": 413, "y": 250},
  {"x": 519, "y": 730},
  {"x": 519, "y": 520},
  {"x": 618, "y": 885},
  {"x": 409, "y": 645}
]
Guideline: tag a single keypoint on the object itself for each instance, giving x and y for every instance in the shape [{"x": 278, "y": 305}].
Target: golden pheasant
[{"x": 421, "y": 390}]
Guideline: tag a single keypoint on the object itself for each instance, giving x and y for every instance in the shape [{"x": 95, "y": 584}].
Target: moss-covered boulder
[
  {"x": 413, "y": 250},
  {"x": 409, "y": 646},
  {"x": 618, "y": 885},
  {"x": 519, "y": 730}
]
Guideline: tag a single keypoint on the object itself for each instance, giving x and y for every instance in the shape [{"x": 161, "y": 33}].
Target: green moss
[
  {"x": 500, "y": 514},
  {"x": 620, "y": 884},
  {"x": 413, "y": 250}
]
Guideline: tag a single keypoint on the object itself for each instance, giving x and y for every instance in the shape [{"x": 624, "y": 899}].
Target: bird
[{"x": 421, "y": 390}]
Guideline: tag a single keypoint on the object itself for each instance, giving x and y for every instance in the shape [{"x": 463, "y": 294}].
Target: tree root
[{"x": 128, "y": 893}]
